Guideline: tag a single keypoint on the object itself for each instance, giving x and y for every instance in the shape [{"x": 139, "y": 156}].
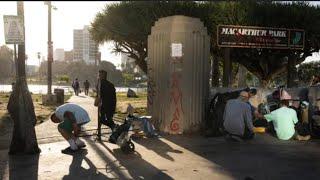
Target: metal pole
[
  {"x": 50, "y": 50},
  {"x": 21, "y": 71},
  {"x": 15, "y": 59}
]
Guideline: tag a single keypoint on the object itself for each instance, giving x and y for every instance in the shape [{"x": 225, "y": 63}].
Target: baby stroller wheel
[{"x": 128, "y": 147}]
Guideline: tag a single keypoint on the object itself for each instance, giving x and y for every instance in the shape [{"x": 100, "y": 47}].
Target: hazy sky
[{"x": 69, "y": 15}]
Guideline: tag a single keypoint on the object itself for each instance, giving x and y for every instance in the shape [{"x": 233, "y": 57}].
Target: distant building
[
  {"x": 68, "y": 56},
  {"x": 59, "y": 55},
  {"x": 84, "y": 47}
]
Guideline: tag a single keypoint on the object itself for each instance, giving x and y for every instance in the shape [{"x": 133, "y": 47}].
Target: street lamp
[{"x": 50, "y": 48}]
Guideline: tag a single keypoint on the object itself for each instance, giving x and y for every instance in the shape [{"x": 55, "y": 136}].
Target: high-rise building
[
  {"x": 84, "y": 47},
  {"x": 58, "y": 55},
  {"x": 68, "y": 56}
]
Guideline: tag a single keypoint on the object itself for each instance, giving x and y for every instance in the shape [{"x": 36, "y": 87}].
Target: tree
[
  {"x": 305, "y": 72},
  {"x": 267, "y": 64},
  {"x": 128, "y": 24},
  {"x": 7, "y": 63},
  {"x": 20, "y": 107},
  {"x": 82, "y": 71}
]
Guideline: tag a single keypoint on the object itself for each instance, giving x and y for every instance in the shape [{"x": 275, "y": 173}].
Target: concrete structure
[
  {"x": 178, "y": 69},
  {"x": 84, "y": 47},
  {"x": 59, "y": 55}
]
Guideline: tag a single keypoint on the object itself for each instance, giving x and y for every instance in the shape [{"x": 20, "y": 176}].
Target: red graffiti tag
[{"x": 176, "y": 99}]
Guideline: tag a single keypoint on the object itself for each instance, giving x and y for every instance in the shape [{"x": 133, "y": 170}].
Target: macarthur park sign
[{"x": 259, "y": 37}]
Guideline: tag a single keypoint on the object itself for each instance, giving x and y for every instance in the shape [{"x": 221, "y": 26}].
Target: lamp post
[{"x": 50, "y": 47}]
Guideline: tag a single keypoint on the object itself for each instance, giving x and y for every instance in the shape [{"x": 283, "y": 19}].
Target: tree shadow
[
  {"x": 76, "y": 171},
  {"x": 264, "y": 157},
  {"x": 136, "y": 166},
  {"x": 118, "y": 163},
  {"x": 158, "y": 146},
  {"x": 23, "y": 167}
]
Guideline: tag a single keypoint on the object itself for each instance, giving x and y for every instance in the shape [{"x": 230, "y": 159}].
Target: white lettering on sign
[
  {"x": 13, "y": 29},
  {"x": 278, "y": 33},
  {"x": 253, "y": 32}
]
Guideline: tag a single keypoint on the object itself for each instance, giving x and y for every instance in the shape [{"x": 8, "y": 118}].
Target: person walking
[
  {"x": 106, "y": 101},
  {"x": 86, "y": 85},
  {"x": 76, "y": 87}
]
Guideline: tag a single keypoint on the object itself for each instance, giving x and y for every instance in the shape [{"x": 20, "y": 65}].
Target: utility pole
[
  {"x": 50, "y": 49},
  {"x": 20, "y": 105}
]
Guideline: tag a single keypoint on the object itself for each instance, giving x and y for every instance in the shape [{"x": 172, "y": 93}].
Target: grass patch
[
  {"x": 42, "y": 111},
  {"x": 139, "y": 103}
]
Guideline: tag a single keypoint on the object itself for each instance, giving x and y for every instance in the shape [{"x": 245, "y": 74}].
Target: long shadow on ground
[
  {"x": 76, "y": 171},
  {"x": 265, "y": 157},
  {"x": 158, "y": 146},
  {"x": 124, "y": 166},
  {"x": 23, "y": 167}
]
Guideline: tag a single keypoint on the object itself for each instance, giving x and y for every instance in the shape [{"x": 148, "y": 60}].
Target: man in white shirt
[{"x": 70, "y": 118}]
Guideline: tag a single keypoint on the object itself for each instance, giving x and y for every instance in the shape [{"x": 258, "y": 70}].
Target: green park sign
[{"x": 259, "y": 37}]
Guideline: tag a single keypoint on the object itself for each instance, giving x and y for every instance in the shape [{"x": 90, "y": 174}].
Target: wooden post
[
  {"x": 215, "y": 72},
  {"x": 227, "y": 68}
]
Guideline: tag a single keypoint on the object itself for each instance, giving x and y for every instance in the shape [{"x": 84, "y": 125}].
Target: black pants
[
  {"x": 86, "y": 91},
  {"x": 107, "y": 120}
]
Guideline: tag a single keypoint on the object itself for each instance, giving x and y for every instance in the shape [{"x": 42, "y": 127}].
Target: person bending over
[{"x": 70, "y": 118}]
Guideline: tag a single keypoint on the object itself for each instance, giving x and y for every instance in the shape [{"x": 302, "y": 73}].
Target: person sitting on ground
[
  {"x": 284, "y": 120},
  {"x": 70, "y": 118},
  {"x": 238, "y": 118}
]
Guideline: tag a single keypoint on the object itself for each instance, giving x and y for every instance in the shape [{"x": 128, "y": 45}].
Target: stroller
[{"x": 122, "y": 136}]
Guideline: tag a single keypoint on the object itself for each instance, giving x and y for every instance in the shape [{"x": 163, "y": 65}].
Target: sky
[{"x": 68, "y": 16}]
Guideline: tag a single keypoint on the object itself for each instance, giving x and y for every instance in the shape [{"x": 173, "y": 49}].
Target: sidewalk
[
  {"x": 47, "y": 132},
  {"x": 167, "y": 157}
]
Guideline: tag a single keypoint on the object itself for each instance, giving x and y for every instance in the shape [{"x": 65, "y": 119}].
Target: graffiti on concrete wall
[
  {"x": 151, "y": 88},
  {"x": 176, "y": 100}
]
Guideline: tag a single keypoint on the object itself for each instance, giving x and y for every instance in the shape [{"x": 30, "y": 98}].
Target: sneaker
[{"x": 68, "y": 150}]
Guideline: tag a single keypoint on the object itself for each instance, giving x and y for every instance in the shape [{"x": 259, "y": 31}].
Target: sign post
[
  {"x": 13, "y": 33},
  {"x": 260, "y": 37},
  {"x": 13, "y": 29}
]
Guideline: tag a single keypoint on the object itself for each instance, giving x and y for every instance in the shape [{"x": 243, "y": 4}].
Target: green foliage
[
  {"x": 6, "y": 63},
  {"x": 129, "y": 23},
  {"x": 64, "y": 78},
  {"x": 307, "y": 70},
  {"x": 69, "y": 71}
]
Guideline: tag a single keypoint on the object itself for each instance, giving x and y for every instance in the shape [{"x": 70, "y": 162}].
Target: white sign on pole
[
  {"x": 176, "y": 50},
  {"x": 13, "y": 29}
]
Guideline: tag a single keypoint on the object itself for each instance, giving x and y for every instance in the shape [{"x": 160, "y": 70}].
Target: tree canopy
[{"x": 128, "y": 24}]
